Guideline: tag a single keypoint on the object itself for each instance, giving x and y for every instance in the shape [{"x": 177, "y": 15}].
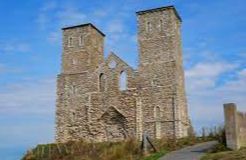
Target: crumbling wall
[
  {"x": 235, "y": 126},
  {"x": 106, "y": 100}
]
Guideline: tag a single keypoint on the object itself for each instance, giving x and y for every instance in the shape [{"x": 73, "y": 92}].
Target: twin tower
[{"x": 107, "y": 100}]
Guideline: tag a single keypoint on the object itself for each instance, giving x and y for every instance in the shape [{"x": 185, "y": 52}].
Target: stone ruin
[
  {"x": 235, "y": 127},
  {"x": 102, "y": 99}
]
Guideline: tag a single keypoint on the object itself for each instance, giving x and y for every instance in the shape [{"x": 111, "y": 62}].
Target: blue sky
[{"x": 214, "y": 48}]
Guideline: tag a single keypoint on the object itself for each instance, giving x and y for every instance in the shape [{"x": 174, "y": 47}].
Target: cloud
[
  {"x": 100, "y": 13},
  {"x": 51, "y": 18},
  {"x": 243, "y": 54},
  {"x": 205, "y": 74},
  {"x": 211, "y": 81},
  {"x": 70, "y": 16},
  {"x": 27, "y": 109},
  {"x": 52, "y": 15},
  {"x": 18, "y": 133},
  {"x": 14, "y": 46},
  {"x": 239, "y": 84},
  {"x": 23, "y": 135},
  {"x": 206, "y": 97},
  {"x": 49, "y": 6},
  {"x": 28, "y": 97},
  {"x": 209, "y": 69},
  {"x": 7, "y": 69},
  {"x": 235, "y": 90},
  {"x": 43, "y": 18},
  {"x": 115, "y": 26},
  {"x": 2, "y": 68},
  {"x": 54, "y": 37}
]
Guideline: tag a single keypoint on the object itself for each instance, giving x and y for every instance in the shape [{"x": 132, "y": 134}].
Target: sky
[{"x": 214, "y": 51}]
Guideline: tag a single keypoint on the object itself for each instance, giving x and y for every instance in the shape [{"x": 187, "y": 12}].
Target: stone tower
[
  {"x": 92, "y": 105},
  {"x": 161, "y": 70},
  {"x": 82, "y": 48}
]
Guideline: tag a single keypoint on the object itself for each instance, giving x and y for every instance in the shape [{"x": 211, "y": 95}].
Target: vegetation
[
  {"x": 168, "y": 145},
  {"x": 220, "y": 151},
  {"x": 81, "y": 150},
  {"x": 129, "y": 149},
  {"x": 156, "y": 155},
  {"x": 227, "y": 155}
]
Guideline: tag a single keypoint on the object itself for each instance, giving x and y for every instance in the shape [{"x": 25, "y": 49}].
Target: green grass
[
  {"x": 155, "y": 156},
  {"x": 168, "y": 145},
  {"x": 220, "y": 153}
]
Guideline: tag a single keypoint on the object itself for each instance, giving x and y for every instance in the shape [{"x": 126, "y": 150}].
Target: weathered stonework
[
  {"x": 90, "y": 103},
  {"x": 235, "y": 127}
]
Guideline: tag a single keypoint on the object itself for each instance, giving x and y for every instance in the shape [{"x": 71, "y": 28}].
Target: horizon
[{"x": 214, "y": 58}]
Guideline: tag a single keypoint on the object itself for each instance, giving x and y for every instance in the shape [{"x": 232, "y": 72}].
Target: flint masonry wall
[
  {"x": 235, "y": 126},
  {"x": 86, "y": 112},
  {"x": 90, "y": 102},
  {"x": 161, "y": 70}
]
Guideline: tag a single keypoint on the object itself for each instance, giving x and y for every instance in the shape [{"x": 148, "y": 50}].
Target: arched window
[
  {"x": 161, "y": 25},
  {"x": 73, "y": 89},
  {"x": 81, "y": 40},
  {"x": 123, "y": 81},
  {"x": 157, "y": 112},
  {"x": 70, "y": 41},
  {"x": 74, "y": 61},
  {"x": 112, "y": 64},
  {"x": 149, "y": 27},
  {"x": 158, "y": 122},
  {"x": 102, "y": 82},
  {"x": 73, "y": 116}
]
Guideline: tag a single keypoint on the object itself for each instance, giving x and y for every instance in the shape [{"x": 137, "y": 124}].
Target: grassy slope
[
  {"x": 227, "y": 155},
  {"x": 129, "y": 149},
  {"x": 81, "y": 150}
]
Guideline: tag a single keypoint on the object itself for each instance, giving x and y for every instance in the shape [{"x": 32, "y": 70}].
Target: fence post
[{"x": 146, "y": 144}]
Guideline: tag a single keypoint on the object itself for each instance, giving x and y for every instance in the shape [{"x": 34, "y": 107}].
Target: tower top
[
  {"x": 84, "y": 25},
  {"x": 160, "y": 9}
]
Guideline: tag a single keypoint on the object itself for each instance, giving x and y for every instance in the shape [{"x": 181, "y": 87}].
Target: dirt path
[{"x": 190, "y": 153}]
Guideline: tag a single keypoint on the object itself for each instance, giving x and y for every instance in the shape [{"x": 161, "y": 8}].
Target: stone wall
[
  {"x": 235, "y": 126},
  {"x": 161, "y": 69},
  {"x": 92, "y": 105},
  {"x": 82, "y": 49},
  {"x": 84, "y": 111}
]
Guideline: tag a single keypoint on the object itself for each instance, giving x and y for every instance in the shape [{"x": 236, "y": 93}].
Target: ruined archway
[{"x": 114, "y": 125}]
